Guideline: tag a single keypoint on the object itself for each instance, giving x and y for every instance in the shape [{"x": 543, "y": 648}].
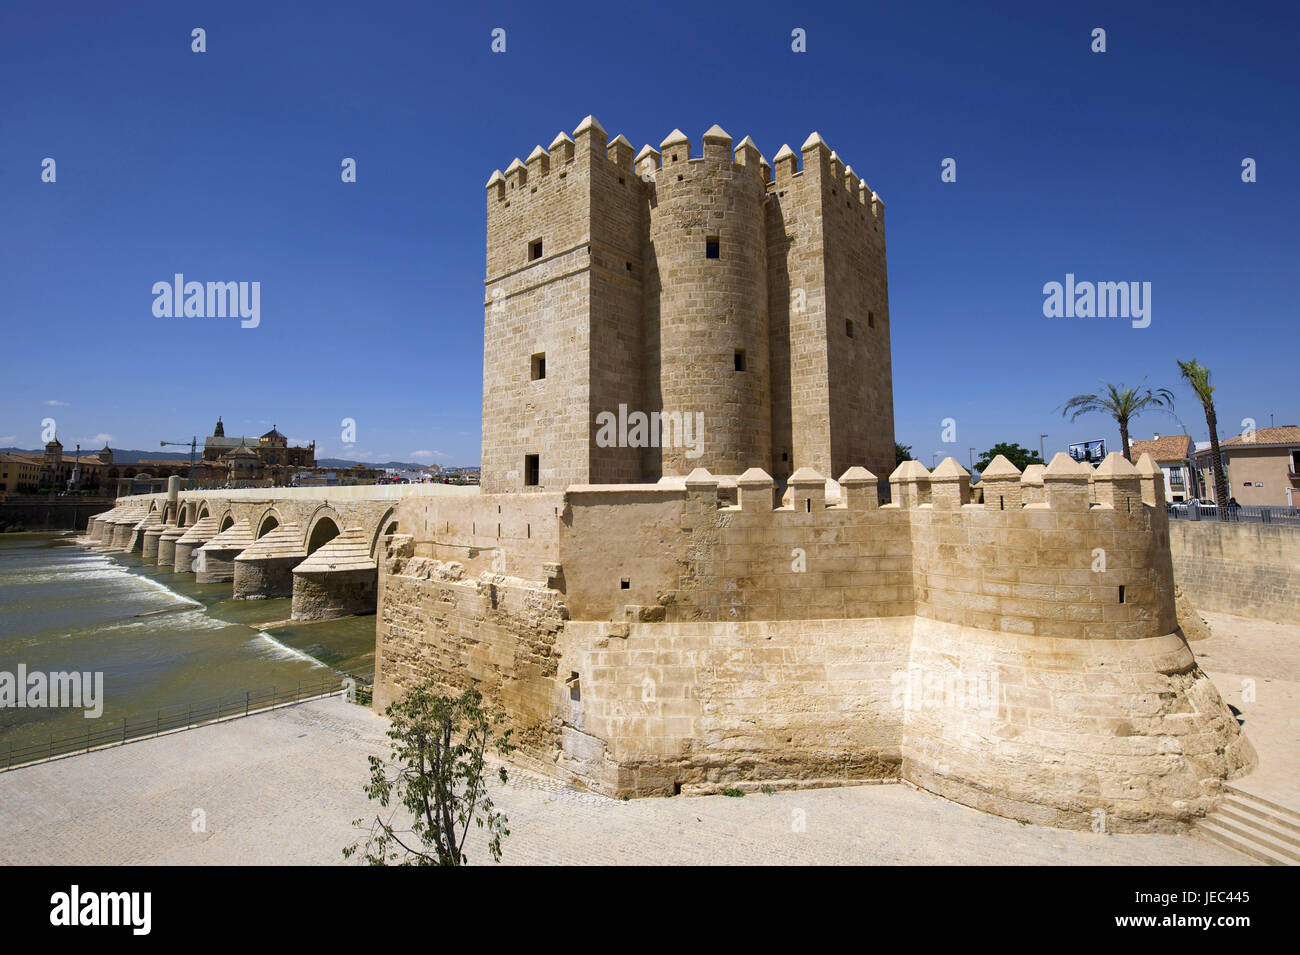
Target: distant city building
[
  {"x": 268, "y": 460},
  {"x": 19, "y": 474},
  {"x": 1173, "y": 453},
  {"x": 330, "y": 477}
]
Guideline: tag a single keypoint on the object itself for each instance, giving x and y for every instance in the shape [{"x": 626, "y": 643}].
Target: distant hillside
[
  {"x": 344, "y": 463},
  {"x": 119, "y": 456},
  {"x": 122, "y": 456}
]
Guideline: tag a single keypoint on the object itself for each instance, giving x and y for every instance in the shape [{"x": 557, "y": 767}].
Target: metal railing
[
  {"x": 1240, "y": 513},
  {"x": 183, "y": 716}
]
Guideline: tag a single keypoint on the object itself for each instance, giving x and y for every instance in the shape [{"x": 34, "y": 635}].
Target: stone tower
[{"x": 647, "y": 315}]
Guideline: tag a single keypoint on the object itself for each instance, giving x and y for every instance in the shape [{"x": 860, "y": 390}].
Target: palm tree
[
  {"x": 1198, "y": 376},
  {"x": 1122, "y": 404}
]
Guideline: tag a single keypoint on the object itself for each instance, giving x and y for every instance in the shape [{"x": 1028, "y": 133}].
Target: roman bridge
[{"x": 318, "y": 545}]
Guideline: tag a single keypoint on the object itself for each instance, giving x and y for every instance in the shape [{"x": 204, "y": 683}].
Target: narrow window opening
[
  {"x": 629, "y": 266},
  {"x": 675, "y": 160},
  {"x": 535, "y": 250},
  {"x": 1121, "y": 593},
  {"x": 538, "y": 363},
  {"x": 712, "y": 247},
  {"x": 1001, "y": 503},
  {"x": 871, "y": 319},
  {"x": 807, "y": 503},
  {"x": 531, "y": 468},
  {"x": 677, "y": 789},
  {"x": 740, "y": 359},
  {"x": 625, "y": 584},
  {"x": 620, "y": 180},
  {"x": 848, "y": 327},
  {"x": 528, "y": 531},
  {"x": 575, "y": 686},
  {"x": 785, "y": 455}
]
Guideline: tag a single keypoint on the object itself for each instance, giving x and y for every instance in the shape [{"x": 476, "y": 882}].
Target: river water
[{"x": 64, "y": 608}]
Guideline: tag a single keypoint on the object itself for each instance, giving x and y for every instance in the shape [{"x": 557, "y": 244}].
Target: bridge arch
[
  {"x": 323, "y": 526},
  {"x": 387, "y": 525},
  {"x": 227, "y": 521},
  {"x": 266, "y": 522}
]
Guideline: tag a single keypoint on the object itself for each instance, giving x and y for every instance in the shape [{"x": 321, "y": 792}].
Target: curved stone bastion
[{"x": 1019, "y": 654}]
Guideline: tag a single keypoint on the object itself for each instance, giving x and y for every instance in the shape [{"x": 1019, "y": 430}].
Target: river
[{"x": 64, "y": 608}]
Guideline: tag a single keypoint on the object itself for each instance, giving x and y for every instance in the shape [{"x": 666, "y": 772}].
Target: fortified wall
[
  {"x": 1247, "y": 569},
  {"x": 1021, "y": 655}
]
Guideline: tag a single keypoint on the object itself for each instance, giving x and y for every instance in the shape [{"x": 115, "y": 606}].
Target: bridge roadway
[{"x": 317, "y": 545}]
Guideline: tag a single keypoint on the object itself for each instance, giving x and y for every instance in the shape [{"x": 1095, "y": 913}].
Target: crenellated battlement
[{"x": 527, "y": 177}]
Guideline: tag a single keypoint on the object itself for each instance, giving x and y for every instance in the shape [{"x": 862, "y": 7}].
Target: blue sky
[{"x": 1115, "y": 166}]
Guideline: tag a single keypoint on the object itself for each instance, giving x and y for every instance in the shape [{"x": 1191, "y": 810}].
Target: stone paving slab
[{"x": 283, "y": 786}]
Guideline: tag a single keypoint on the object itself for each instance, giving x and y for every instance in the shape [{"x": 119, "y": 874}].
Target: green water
[{"x": 65, "y": 608}]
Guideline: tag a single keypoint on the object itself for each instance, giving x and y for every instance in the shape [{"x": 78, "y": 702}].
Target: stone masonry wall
[
  {"x": 1247, "y": 569},
  {"x": 679, "y": 643}
]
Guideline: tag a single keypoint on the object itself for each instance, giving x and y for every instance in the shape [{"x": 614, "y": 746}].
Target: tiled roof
[
  {"x": 1168, "y": 447},
  {"x": 1287, "y": 434}
]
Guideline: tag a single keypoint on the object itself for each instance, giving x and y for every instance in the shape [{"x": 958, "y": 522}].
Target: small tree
[
  {"x": 1122, "y": 404},
  {"x": 438, "y": 749},
  {"x": 1198, "y": 376},
  {"x": 1020, "y": 457},
  {"x": 902, "y": 452}
]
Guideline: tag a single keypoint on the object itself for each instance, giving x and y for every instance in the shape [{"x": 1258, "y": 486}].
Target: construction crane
[{"x": 193, "y": 444}]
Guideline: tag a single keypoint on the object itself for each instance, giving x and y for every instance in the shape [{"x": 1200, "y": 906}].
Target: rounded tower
[{"x": 706, "y": 301}]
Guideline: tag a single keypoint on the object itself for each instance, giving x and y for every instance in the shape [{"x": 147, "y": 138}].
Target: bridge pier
[
  {"x": 123, "y": 530},
  {"x": 149, "y": 549},
  {"x": 265, "y": 567},
  {"x": 97, "y": 524},
  {"x": 216, "y": 558},
  {"x": 338, "y": 580},
  {"x": 167, "y": 544},
  {"x": 136, "y": 544},
  {"x": 195, "y": 537}
]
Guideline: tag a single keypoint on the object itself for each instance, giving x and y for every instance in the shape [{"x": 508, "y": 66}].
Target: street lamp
[
  {"x": 971, "y": 458},
  {"x": 193, "y": 444},
  {"x": 1042, "y": 455}
]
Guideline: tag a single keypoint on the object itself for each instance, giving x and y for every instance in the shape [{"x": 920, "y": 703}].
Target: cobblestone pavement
[{"x": 283, "y": 787}]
